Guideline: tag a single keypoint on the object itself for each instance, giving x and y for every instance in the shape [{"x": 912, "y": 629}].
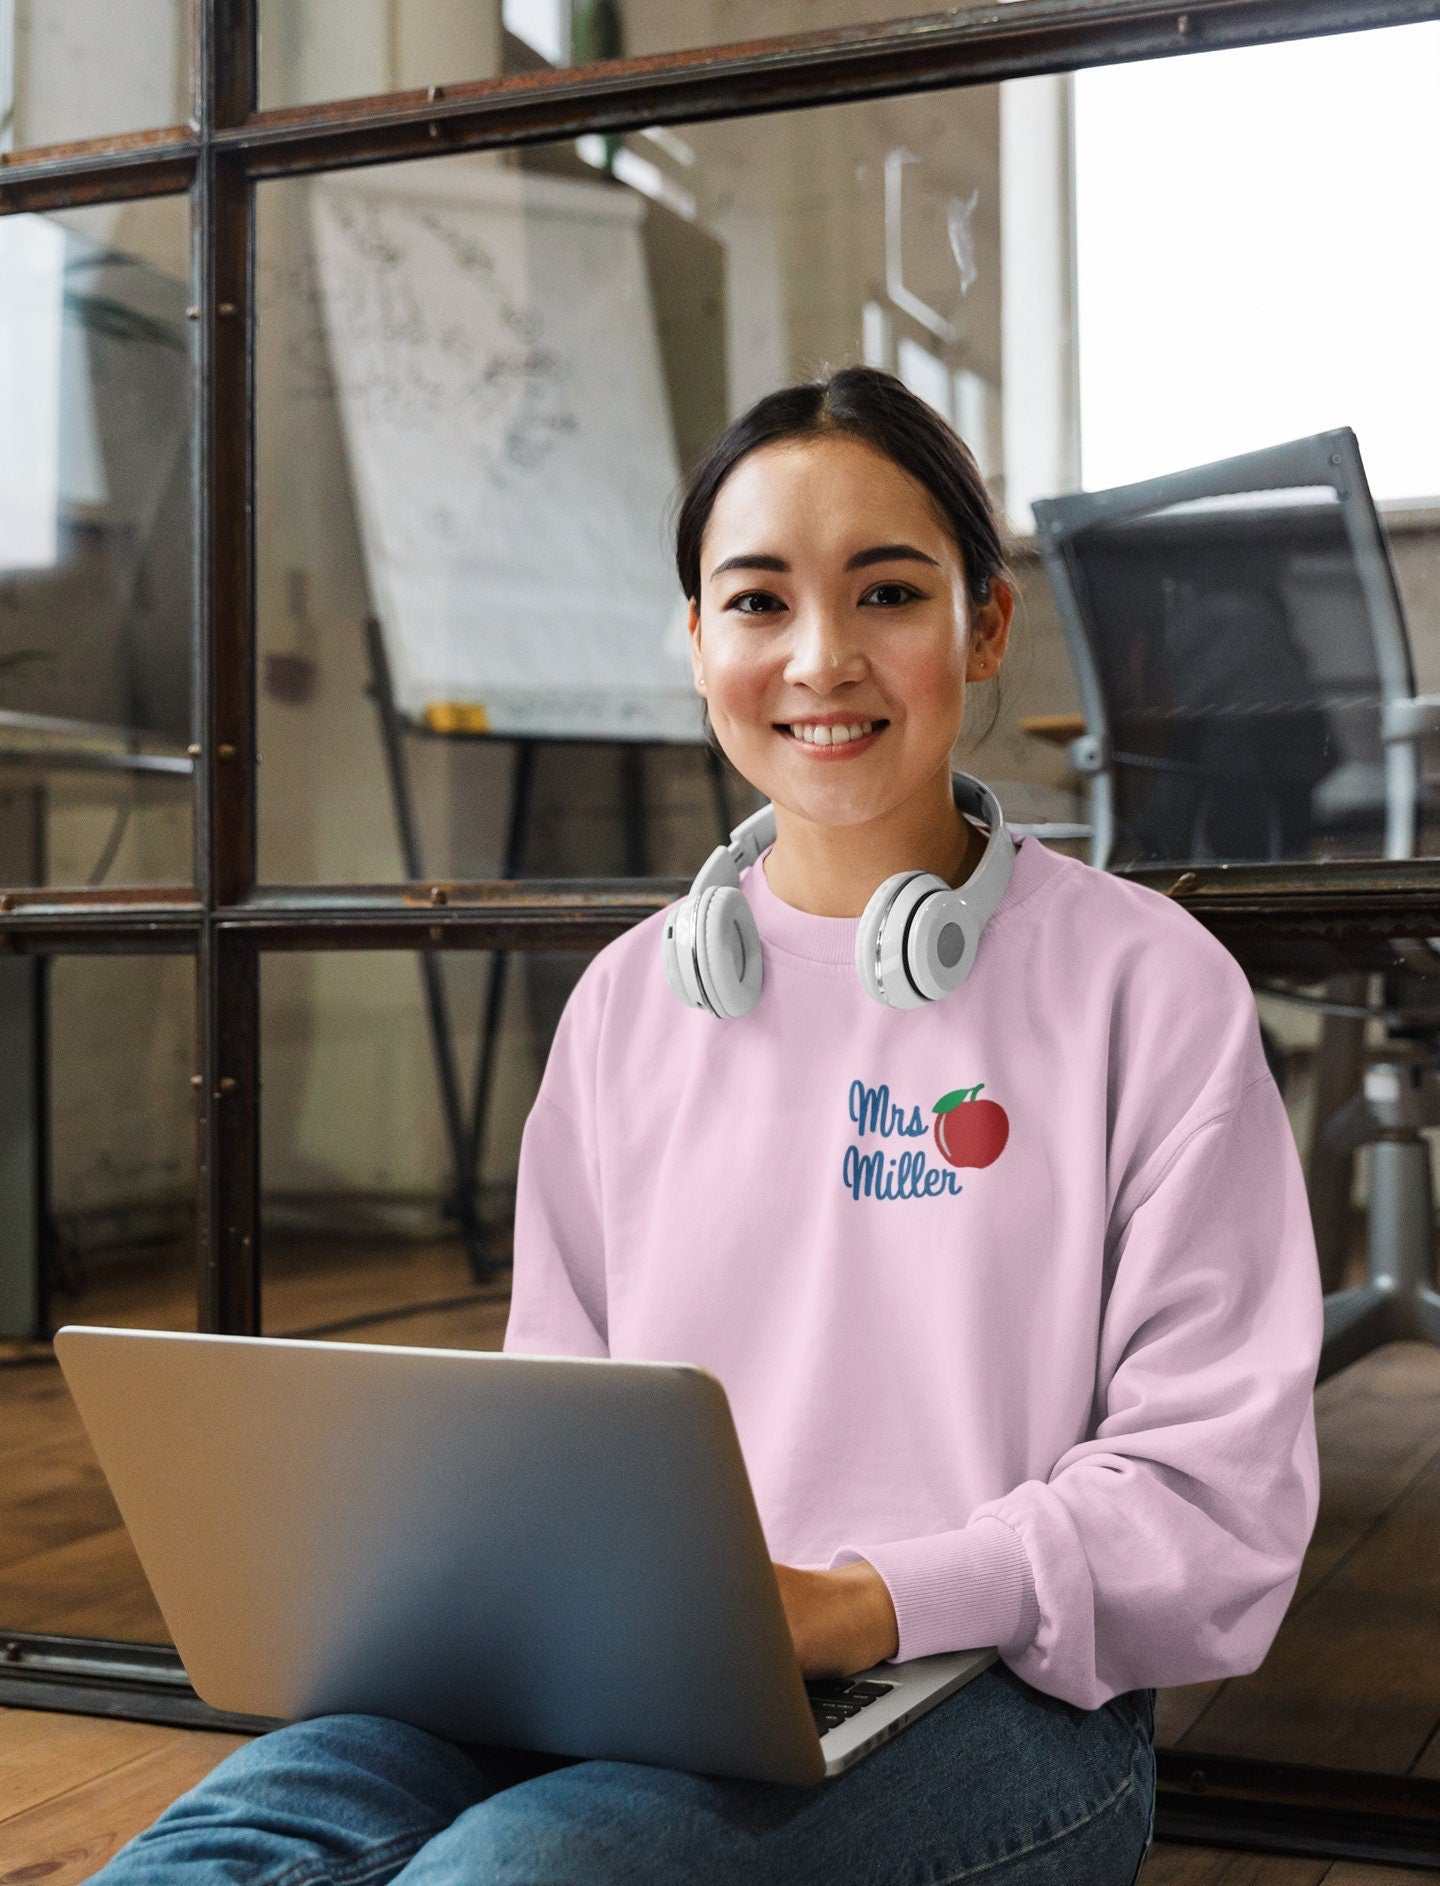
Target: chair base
[{"x": 1398, "y": 1302}]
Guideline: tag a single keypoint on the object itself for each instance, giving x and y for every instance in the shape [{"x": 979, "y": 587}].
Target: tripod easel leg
[{"x": 392, "y": 734}]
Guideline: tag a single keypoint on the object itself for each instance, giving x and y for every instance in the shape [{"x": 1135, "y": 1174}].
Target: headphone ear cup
[
  {"x": 913, "y": 945},
  {"x": 675, "y": 951},
  {"x": 728, "y": 950},
  {"x": 941, "y": 942},
  {"x": 878, "y": 942}
]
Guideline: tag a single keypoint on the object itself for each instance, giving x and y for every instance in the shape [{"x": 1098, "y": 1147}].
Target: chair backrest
[{"x": 1236, "y": 630}]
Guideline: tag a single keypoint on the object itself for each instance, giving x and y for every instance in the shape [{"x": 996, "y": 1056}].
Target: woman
[{"x": 1013, "y": 1292}]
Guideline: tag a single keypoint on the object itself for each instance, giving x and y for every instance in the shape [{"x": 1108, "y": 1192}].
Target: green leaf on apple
[{"x": 953, "y": 1099}]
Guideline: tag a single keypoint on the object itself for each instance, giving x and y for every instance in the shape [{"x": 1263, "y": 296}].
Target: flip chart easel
[{"x": 465, "y": 1128}]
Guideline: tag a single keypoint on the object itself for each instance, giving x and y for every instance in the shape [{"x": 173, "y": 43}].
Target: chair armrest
[
  {"x": 1089, "y": 753},
  {"x": 1408, "y": 719}
]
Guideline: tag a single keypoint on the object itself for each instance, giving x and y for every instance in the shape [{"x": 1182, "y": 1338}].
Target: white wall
[{"x": 89, "y": 68}]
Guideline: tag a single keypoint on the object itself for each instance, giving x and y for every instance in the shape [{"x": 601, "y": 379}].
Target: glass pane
[
  {"x": 72, "y": 69},
  {"x": 311, "y": 50},
  {"x": 497, "y": 369},
  {"x": 100, "y": 1231},
  {"x": 95, "y": 546},
  {"x": 366, "y": 1237}
]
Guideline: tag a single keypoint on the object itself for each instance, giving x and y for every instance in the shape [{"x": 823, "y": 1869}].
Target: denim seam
[
  {"x": 1149, "y": 1843},
  {"x": 1033, "y": 1846},
  {"x": 372, "y": 1863},
  {"x": 1148, "y": 1741}
]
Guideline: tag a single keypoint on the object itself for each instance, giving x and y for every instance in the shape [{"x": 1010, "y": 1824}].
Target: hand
[{"x": 841, "y": 1621}]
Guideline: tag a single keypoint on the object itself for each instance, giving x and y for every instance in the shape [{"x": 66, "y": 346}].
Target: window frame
[{"x": 225, "y": 920}]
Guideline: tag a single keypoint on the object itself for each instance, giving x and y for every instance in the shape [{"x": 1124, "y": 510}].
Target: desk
[{"x": 1059, "y": 729}]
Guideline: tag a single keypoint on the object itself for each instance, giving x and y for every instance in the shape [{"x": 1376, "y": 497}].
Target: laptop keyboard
[{"x": 835, "y": 1699}]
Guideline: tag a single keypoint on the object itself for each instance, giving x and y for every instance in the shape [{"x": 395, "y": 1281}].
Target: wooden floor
[
  {"x": 73, "y": 1789},
  {"x": 1352, "y": 1680},
  {"x": 66, "y": 1564}
]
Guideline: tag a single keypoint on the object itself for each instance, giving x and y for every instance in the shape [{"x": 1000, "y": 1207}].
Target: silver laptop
[{"x": 551, "y": 1553}]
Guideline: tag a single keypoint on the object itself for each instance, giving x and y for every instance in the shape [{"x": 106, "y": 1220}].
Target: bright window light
[
  {"x": 543, "y": 24},
  {"x": 32, "y": 256},
  {"x": 1255, "y": 255},
  {"x": 925, "y": 375}
]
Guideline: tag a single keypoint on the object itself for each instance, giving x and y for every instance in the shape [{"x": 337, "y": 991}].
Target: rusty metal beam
[
  {"x": 963, "y": 46},
  {"x": 1284, "y": 904},
  {"x": 224, "y": 475},
  {"x": 226, "y": 1084},
  {"x": 67, "y": 937},
  {"x": 1306, "y": 921},
  {"x": 99, "y": 170},
  {"x": 227, "y": 1060}
]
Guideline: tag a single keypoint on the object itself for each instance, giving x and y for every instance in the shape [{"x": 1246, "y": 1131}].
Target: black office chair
[{"x": 1245, "y": 674}]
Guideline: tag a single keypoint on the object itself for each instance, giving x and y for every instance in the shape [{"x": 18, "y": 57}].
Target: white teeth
[{"x": 832, "y": 736}]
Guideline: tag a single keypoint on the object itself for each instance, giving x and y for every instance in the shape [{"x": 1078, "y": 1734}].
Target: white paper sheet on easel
[{"x": 498, "y": 374}]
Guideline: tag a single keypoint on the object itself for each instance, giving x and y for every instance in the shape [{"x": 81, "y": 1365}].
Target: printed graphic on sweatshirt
[{"x": 967, "y": 1131}]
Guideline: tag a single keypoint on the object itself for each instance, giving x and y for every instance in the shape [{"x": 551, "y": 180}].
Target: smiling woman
[{"x": 892, "y": 596}]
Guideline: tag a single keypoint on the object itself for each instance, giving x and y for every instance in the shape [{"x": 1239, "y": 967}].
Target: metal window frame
[{"x": 226, "y": 921}]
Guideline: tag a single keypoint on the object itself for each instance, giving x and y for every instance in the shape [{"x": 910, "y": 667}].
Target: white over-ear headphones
[{"x": 917, "y": 939}]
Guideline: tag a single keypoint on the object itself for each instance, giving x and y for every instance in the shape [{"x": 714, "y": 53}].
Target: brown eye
[
  {"x": 906, "y": 593},
  {"x": 751, "y": 595}
]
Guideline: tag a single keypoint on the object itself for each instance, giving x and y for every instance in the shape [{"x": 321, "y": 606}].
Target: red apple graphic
[{"x": 970, "y": 1132}]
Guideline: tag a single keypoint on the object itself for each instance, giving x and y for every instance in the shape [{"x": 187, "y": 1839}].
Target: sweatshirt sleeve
[
  {"x": 557, "y": 1286},
  {"x": 1165, "y": 1549}
]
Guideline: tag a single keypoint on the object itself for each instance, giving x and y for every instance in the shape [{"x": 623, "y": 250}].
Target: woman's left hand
[{"x": 841, "y": 1621}]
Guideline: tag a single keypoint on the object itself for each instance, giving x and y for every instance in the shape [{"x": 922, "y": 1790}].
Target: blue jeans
[{"x": 999, "y": 1780}]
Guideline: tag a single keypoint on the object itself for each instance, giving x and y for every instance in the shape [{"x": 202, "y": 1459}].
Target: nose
[{"x": 824, "y": 651}]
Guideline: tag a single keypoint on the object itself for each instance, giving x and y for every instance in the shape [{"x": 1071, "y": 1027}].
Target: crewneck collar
[{"x": 831, "y": 940}]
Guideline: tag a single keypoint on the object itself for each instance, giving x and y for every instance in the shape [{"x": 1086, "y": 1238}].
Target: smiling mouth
[{"x": 785, "y": 726}]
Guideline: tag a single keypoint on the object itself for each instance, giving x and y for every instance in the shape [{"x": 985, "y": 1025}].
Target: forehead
[{"x": 824, "y": 490}]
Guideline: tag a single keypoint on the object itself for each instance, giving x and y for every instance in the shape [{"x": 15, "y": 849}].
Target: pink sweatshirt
[{"x": 1015, "y": 1295}]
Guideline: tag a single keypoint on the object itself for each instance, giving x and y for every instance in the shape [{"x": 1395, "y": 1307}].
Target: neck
[{"x": 832, "y": 871}]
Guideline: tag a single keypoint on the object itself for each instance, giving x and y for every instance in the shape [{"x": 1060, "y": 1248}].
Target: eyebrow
[{"x": 877, "y": 553}]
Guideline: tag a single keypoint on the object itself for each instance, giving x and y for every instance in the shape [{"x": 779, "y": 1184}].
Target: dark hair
[{"x": 877, "y": 407}]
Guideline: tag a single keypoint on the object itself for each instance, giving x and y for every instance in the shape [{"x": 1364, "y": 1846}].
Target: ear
[
  {"x": 990, "y": 630},
  {"x": 692, "y": 629}
]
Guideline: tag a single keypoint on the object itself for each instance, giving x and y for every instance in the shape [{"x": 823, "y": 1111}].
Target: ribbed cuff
[{"x": 968, "y": 1590}]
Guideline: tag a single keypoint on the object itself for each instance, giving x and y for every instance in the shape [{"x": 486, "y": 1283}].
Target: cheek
[
  {"x": 739, "y": 682},
  {"x": 931, "y": 677}
]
